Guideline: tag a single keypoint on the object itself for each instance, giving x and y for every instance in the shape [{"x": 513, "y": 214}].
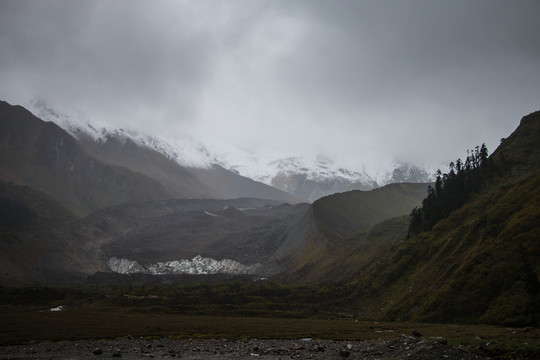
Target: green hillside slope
[
  {"x": 345, "y": 232},
  {"x": 479, "y": 264},
  {"x": 346, "y": 213}
]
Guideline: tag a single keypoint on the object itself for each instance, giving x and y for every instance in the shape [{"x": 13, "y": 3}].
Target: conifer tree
[{"x": 451, "y": 190}]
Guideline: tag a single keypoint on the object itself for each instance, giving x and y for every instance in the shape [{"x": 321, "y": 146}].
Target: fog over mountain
[
  {"x": 363, "y": 83},
  {"x": 307, "y": 178}
]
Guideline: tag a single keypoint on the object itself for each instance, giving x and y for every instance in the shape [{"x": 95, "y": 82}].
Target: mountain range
[
  {"x": 307, "y": 179},
  {"x": 80, "y": 205},
  {"x": 137, "y": 204},
  {"x": 313, "y": 179},
  {"x": 88, "y": 173}
]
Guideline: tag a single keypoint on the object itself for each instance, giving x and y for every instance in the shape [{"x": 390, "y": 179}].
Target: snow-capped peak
[
  {"x": 74, "y": 122},
  {"x": 185, "y": 150},
  {"x": 307, "y": 177},
  {"x": 403, "y": 171},
  {"x": 319, "y": 168}
]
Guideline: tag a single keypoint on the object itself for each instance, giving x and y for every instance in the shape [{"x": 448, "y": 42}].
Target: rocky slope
[
  {"x": 236, "y": 237},
  {"x": 242, "y": 236}
]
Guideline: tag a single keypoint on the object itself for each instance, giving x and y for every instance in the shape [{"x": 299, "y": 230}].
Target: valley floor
[
  {"x": 233, "y": 321},
  {"x": 87, "y": 332}
]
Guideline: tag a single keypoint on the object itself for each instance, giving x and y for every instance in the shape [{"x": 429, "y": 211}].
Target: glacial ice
[{"x": 197, "y": 266}]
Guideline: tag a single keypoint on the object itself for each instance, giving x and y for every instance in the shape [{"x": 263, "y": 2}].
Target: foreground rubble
[{"x": 407, "y": 347}]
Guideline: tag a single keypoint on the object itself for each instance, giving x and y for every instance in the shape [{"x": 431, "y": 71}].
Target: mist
[{"x": 360, "y": 82}]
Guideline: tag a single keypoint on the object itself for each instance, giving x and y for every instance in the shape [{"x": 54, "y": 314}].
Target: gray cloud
[
  {"x": 359, "y": 81},
  {"x": 115, "y": 59}
]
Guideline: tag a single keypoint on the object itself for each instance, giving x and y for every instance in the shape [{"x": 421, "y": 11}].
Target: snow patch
[{"x": 58, "y": 308}]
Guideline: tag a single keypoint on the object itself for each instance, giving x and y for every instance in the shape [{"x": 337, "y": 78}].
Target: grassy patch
[
  {"x": 226, "y": 310},
  {"x": 102, "y": 322}
]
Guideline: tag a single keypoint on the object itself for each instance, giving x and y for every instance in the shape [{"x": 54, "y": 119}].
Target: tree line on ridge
[{"x": 451, "y": 190}]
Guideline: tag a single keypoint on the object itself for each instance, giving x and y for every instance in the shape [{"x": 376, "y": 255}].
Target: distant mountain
[
  {"x": 43, "y": 156},
  {"x": 183, "y": 166},
  {"x": 88, "y": 169},
  {"x": 405, "y": 172},
  {"x": 185, "y": 151},
  {"x": 307, "y": 179},
  {"x": 313, "y": 179},
  {"x": 244, "y": 236}
]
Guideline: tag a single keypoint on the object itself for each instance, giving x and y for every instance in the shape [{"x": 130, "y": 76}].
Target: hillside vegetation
[
  {"x": 473, "y": 258},
  {"x": 479, "y": 264},
  {"x": 346, "y": 213},
  {"x": 350, "y": 230},
  {"x": 323, "y": 261}
]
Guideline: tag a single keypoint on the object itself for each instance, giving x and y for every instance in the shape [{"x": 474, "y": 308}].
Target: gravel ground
[{"x": 407, "y": 347}]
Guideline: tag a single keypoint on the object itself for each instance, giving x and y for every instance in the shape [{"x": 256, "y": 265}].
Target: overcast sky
[{"x": 357, "y": 81}]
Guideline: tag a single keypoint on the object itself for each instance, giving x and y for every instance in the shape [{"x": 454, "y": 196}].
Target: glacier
[{"x": 199, "y": 265}]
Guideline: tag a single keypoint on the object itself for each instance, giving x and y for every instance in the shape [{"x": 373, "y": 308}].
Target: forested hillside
[{"x": 478, "y": 261}]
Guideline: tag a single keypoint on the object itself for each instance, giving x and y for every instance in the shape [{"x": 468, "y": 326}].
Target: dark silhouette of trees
[{"x": 451, "y": 190}]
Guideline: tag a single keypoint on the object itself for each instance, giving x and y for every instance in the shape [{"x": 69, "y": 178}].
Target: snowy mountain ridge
[
  {"x": 186, "y": 151},
  {"x": 309, "y": 178},
  {"x": 318, "y": 169}
]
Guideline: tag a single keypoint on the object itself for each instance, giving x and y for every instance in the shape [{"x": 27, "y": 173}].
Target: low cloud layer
[{"x": 362, "y": 82}]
